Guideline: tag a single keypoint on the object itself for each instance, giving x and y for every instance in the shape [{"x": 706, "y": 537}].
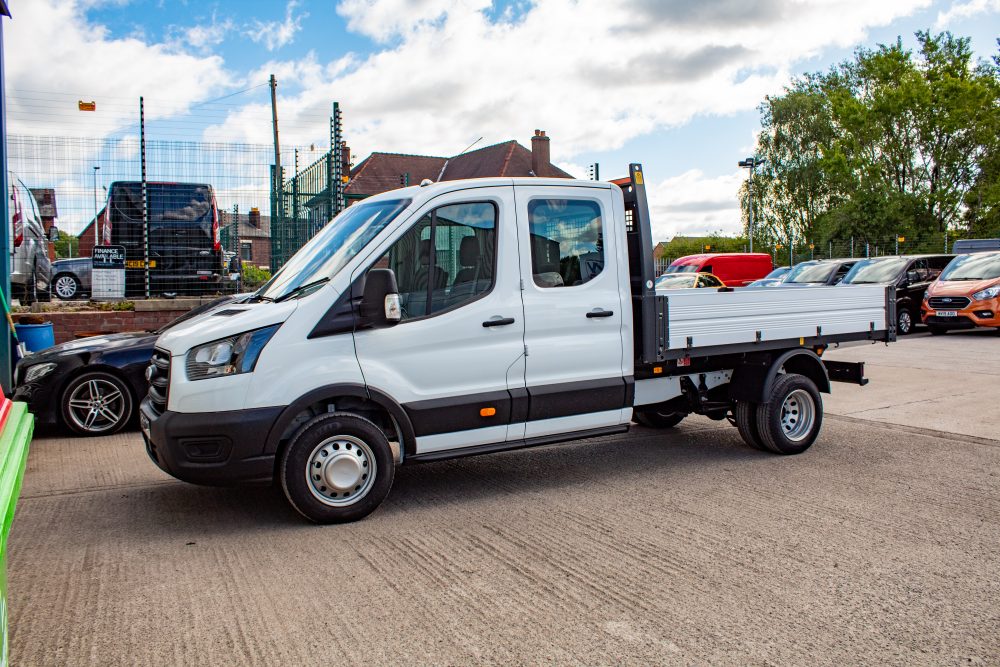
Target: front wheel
[
  {"x": 337, "y": 468},
  {"x": 96, "y": 403},
  {"x": 789, "y": 422}
]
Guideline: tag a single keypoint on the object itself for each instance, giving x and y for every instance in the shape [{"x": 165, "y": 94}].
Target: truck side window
[
  {"x": 567, "y": 247},
  {"x": 445, "y": 260}
]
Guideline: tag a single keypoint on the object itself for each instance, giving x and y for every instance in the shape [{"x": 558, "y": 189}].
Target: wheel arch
[
  {"x": 753, "y": 379},
  {"x": 362, "y": 400}
]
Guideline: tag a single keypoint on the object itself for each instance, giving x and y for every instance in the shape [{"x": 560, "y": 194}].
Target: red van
[{"x": 736, "y": 269}]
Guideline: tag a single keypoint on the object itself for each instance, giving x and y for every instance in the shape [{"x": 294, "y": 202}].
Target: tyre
[
  {"x": 96, "y": 403},
  {"x": 66, "y": 286},
  {"x": 658, "y": 418},
  {"x": 790, "y": 421},
  {"x": 337, "y": 468},
  {"x": 936, "y": 331},
  {"x": 745, "y": 414},
  {"x": 904, "y": 322}
]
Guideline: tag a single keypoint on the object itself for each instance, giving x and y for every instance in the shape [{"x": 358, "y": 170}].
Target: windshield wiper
[{"x": 301, "y": 288}]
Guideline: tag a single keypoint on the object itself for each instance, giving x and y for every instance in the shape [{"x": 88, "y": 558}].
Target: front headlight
[
  {"x": 228, "y": 356},
  {"x": 987, "y": 293},
  {"x": 37, "y": 372}
]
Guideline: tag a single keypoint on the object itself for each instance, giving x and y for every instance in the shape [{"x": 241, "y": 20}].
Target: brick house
[
  {"x": 381, "y": 172},
  {"x": 254, "y": 233}
]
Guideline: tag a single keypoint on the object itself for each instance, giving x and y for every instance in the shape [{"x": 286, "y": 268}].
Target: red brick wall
[{"x": 66, "y": 326}]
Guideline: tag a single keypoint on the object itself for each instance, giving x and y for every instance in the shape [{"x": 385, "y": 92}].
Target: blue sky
[{"x": 669, "y": 83}]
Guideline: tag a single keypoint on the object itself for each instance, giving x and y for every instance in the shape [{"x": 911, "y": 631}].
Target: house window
[{"x": 246, "y": 251}]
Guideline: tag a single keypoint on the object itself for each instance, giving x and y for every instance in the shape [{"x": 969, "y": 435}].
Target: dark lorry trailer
[{"x": 184, "y": 250}]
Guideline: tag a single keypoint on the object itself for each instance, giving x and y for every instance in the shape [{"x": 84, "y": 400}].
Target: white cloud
[
  {"x": 964, "y": 10},
  {"x": 81, "y": 61},
  {"x": 202, "y": 37},
  {"x": 694, "y": 204},
  {"x": 276, "y": 34}
]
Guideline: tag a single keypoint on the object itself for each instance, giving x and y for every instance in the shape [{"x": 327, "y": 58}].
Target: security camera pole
[{"x": 751, "y": 163}]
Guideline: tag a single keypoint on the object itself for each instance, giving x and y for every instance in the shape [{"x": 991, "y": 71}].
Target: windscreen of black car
[
  {"x": 336, "y": 244},
  {"x": 980, "y": 266},
  {"x": 869, "y": 271},
  {"x": 811, "y": 273},
  {"x": 179, "y": 213}
]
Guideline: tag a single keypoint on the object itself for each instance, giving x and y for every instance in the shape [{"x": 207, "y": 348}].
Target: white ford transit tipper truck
[{"x": 475, "y": 316}]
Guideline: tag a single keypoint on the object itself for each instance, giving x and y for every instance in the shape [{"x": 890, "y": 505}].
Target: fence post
[
  {"x": 852, "y": 246},
  {"x": 145, "y": 197}
]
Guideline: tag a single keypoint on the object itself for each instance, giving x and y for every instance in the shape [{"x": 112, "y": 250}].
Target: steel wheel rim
[
  {"x": 798, "y": 414},
  {"x": 905, "y": 321},
  {"x": 341, "y": 470},
  {"x": 65, "y": 287},
  {"x": 96, "y": 405}
]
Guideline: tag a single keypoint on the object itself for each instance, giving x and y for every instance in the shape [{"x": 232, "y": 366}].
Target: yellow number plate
[{"x": 137, "y": 264}]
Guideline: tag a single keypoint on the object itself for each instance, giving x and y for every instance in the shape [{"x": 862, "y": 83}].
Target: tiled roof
[
  {"x": 246, "y": 230},
  {"x": 380, "y": 172}
]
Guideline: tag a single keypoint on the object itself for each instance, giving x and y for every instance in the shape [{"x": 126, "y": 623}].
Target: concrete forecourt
[{"x": 878, "y": 545}]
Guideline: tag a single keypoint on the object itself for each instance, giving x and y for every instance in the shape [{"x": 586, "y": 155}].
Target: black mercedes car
[{"x": 93, "y": 385}]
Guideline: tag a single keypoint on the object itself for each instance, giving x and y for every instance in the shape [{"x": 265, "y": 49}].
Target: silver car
[
  {"x": 30, "y": 269},
  {"x": 71, "y": 278}
]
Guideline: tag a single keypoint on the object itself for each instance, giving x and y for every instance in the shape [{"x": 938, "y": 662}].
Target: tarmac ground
[{"x": 682, "y": 546}]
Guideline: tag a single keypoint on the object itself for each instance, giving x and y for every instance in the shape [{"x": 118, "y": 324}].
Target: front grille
[
  {"x": 948, "y": 302},
  {"x": 158, "y": 375}
]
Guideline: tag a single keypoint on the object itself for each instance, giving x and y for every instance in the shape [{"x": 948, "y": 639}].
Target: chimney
[
  {"x": 254, "y": 217},
  {"x": 345, "y": 159},
  {"x": 540, "y": 153}
]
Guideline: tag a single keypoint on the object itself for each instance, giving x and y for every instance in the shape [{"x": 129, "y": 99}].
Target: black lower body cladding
[{"x": 212, "y": 448}]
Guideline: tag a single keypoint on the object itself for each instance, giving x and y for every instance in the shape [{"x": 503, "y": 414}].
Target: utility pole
[
  {"x": 278, "y": 177},
  {"x": 751, "y": 163}
]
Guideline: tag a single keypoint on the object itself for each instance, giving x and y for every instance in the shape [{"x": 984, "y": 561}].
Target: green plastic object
[{"x": 14, "y": 441}]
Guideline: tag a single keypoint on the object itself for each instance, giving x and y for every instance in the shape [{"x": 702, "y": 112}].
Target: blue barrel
[{"x": 36, "y": 337}]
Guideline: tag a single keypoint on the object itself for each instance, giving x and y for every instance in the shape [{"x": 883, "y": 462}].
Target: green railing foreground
[{"x": 14, "y": 440}]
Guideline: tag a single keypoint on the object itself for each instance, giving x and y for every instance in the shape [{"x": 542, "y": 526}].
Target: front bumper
[
  {"x": 976, "y": 314},
  {"x": 212, "y": 448}
]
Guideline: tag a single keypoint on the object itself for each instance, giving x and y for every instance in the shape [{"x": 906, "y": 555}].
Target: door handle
[
  {"x": 499, "y": 322},
  {"x": 600, "y": 313}
]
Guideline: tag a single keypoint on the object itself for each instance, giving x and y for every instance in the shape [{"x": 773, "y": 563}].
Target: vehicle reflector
[
  {"x": 657, "y": 370},
  {"x": 487, "y": 412}
]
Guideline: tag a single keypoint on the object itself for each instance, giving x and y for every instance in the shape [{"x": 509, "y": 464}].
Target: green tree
[
  {"x": 888, "y": 142},
  {"x": 67, "y": 245}
]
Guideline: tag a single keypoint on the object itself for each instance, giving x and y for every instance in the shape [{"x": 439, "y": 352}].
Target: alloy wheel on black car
[{"x": 96, "y": 403}]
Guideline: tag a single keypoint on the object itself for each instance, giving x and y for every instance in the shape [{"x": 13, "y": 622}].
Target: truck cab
[{"x": 461, "y": 318}]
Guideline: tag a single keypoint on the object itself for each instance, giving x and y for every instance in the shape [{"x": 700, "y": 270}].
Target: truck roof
[{"x": 423, "y": 192}]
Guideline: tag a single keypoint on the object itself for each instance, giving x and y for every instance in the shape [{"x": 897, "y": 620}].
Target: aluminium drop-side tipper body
[{"x": 475, "y": 316}]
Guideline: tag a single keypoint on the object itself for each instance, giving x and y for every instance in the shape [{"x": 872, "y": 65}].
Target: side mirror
[
  {"x": 53, "y": 234},
  {"x": 380, "y": 306},
  {"x": 912, "y": 277}
]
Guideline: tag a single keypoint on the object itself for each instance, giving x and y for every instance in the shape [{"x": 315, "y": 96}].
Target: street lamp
[
  {"x": 751, "y": 163},
  {"x": 96, "y": 223}
]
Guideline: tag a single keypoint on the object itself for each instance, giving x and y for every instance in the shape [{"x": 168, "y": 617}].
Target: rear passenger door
[{"x": 573, "y": 311}]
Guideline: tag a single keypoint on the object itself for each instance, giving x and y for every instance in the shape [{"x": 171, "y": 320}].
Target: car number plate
[
  {"x": 947, "y": 313},
  {"x": 137, "y": 264}
]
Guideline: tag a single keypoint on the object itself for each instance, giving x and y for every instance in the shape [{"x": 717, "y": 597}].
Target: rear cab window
[{"x": 567, "y": 245}]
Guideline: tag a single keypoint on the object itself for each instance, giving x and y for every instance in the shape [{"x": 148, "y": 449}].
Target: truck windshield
[
  {"x": 808, "y": 272},
  {"x": 869, "y": 271},
  {"x": 682, "y": 268},
  {"x": 984, "y": 266},
  {"x": 343, "y": 237}
]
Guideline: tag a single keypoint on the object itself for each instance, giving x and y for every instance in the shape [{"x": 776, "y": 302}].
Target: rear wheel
[
  {"x": 337, "y": 468},
  {"x": 790, "y": 421},
  {"x": 66, "y": 286},
  {"x": 658, "y": 418},
  {"x": 904, "y": 322},
  {"x": 745, "y": 414}
]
